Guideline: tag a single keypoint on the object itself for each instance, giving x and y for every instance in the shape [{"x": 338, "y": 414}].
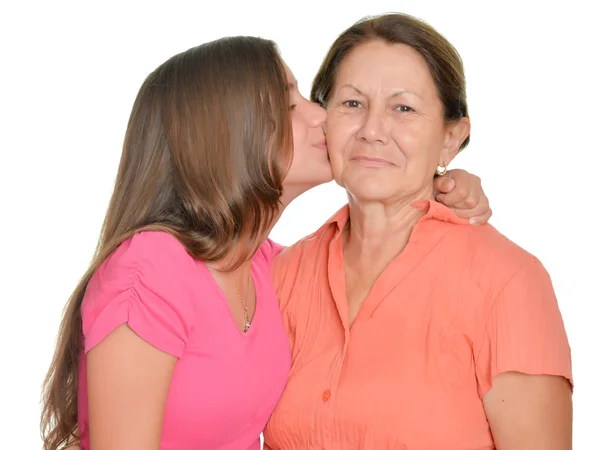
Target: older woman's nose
[{"x": 373, "y": 129}]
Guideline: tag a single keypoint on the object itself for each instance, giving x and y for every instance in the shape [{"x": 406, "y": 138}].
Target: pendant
[{"x": 246, "y": 325}]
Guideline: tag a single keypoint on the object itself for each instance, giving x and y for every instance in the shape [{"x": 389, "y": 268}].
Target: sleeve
[
  {"x": 524, "y": 331},
  {"x": 145, "y": 283},
  {"x": 270, "y": 250}
]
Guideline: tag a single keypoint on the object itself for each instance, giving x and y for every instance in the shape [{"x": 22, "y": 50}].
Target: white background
[{"x": 68, "y": 77}]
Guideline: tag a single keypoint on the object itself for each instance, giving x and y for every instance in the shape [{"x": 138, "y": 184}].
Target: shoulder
[
  {"x": 312, "y": 245},
  {"x": 307, "y": 248},
  {"x": 488, "y": 254},
  {"x": 503, "y": 282},
  {"x": 148, "y": 282},
  {"x": 268, "y": 251},
  {"x": 478, "y": 249},
  {"x": 151, "y": 253},
  {"x": 149, "y": 264},
  {"x": 154, "y": 247}
]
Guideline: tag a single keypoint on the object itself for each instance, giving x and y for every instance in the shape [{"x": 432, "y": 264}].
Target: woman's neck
[{"x": 379, "y": 231}]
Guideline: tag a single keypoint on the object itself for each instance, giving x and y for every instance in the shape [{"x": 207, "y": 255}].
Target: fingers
[
  {"x": 444, "y": 184},
  {"x": 467, "y": 199},
  {"x": 467, "y": 206},
  {"x": 475, "y": 219},
  {"x": 477, "y": 216},
  {"x": 459, "y": 198}
]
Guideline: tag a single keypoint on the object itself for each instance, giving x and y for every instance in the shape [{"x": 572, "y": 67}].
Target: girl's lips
[{"x": 321, "y": 144}]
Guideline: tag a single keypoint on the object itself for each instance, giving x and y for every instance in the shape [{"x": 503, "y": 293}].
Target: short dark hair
[{"x": 443, "y": 59}]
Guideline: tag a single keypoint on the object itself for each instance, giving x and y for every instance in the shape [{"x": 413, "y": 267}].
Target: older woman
[{"x": 409, "y": 328}]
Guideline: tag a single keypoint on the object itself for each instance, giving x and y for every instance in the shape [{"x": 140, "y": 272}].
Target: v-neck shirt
[{"x": 226, "y": 382}]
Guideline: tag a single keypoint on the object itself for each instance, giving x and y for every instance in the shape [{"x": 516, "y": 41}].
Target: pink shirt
[{"x": 226, "y": 383}]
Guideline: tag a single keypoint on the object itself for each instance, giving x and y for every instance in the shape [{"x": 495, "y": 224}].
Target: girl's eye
[{"x": 292, "y": 107}]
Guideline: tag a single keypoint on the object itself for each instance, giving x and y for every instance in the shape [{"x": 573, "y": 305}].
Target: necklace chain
[{"x": 243, "y": 301}]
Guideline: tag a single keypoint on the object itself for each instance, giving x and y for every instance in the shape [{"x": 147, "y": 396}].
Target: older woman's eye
[
  {"x": 403, "y": 108},
  {"x": 352, "y": 104}
]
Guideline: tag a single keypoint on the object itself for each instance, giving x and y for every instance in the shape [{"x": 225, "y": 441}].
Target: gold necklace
[{"x": 244, "y": 303}]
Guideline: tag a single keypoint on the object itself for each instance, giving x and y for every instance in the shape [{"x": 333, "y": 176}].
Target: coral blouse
[{"x": 459, "y": 305}]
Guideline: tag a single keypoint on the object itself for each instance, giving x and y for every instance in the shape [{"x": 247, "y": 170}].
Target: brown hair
[
  {"x": 206, "y": 149},
  {"x": 442, "y": 58}
]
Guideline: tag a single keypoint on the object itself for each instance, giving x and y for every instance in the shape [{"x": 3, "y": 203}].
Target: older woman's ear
[{"x": 456, "y": 133}]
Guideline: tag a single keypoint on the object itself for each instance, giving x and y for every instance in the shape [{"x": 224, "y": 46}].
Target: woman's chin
[{"x": 371, "y": 192}]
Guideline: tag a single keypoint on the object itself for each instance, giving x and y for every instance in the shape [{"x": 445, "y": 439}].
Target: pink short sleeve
[
  {"x": 146, "y": 284},
  {"x": 525, "y": 331},
  {"x": 270, "y": 250}
]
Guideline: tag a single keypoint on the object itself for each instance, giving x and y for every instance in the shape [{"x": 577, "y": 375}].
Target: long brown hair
[
  {"x": 206, "y": 149},
  {"x": 443, "y": 59}
]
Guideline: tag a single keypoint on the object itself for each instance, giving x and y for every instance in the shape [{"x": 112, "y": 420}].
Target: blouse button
[{"x": 326, "y": 395}]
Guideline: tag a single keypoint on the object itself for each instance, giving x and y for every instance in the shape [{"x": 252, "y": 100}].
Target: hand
[{"x": 462, "y": 192}]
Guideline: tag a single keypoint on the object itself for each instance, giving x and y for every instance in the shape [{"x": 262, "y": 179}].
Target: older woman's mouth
[{"x": 368, "y": 161}]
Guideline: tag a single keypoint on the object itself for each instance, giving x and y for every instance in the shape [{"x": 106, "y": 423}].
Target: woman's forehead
[{"x": 392, "y": 69}]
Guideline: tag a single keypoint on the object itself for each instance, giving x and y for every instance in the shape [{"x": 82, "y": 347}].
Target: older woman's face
[{"x": 386, "y": 133}]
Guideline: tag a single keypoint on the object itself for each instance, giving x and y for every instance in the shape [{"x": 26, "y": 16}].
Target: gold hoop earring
[{"x": 441, "y": 170}]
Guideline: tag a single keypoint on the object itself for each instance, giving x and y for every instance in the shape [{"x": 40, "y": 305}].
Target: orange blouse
[{"x": 459, "y": 305}]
